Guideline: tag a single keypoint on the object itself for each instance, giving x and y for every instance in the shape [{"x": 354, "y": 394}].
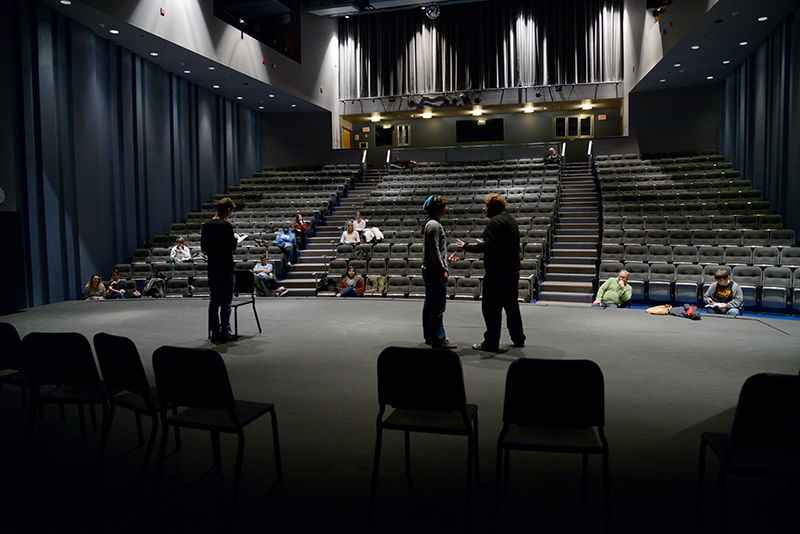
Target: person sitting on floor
[
  {"x": 351, "y": 284},
  {"x": 180, "y": 252},
  {"x": 265, "y": 280},
  {"x": 288, "y": 243},
  {"x": 724, "y": 296},
  {"x": 94, "y": 290},
  {"x": 116, "y": 288},
  {"x": 350, "y": 236},
  {"x": 615, "y": 292}
]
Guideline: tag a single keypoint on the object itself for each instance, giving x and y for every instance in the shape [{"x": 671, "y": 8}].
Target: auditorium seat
[
  {"x": 639, "y": 272},
  {"x": 635, "y": 253},
  {"x": 704, "y": 238},
  {"x": 688, "y": 280},
  {"x": 728, "y": 238},
  {"x": 710, "y": 255},
  {"x": 659, "y": 254},
  {"x": 790, "y": 257},
  {"x": 766, "y": 256},
  {"x": 684, "y": 254},
  {"x": 776, "y": 287},
  {"x": 659, "y": 286},
  {"x": 749, "y": 279},
  {"x": 738, "y": 256},
  {"x": 755, "y": 238}
]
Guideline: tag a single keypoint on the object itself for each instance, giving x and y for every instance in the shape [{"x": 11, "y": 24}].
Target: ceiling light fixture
[
  {"x": 66, "y": 2},
  {"x": 432, "y": 11},
  {"x": 215, "y": 86},
  {"x": 212, "y": 68},
  {"x": 726, "y": 61},
  {"x": 154, "y": 54},
  {"x": 187, "y": 72},
  {"x": 743, "y": 43},
  {"x": 586, "y": 107},
  {"x": 662, "y": 80},
  {"x": 477, "y": 111},
  {"x": 427, "y": 114},
  {"x": 113, "y": 32},
  {"x": 696, "y": 47},
  {"x": 528, "y": 108},
  {"x": 762, "y": 19},
  {"x": 709, "y": 77}
]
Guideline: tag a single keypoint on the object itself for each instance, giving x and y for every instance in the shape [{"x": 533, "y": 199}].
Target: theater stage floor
[{"x": 667, "y": 380}]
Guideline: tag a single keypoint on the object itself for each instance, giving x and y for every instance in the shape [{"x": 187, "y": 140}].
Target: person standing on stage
[
  {"x": 500, "y": 247},
  {"x": 219, "y": 241},
  {"x": 435, "y": 273}
]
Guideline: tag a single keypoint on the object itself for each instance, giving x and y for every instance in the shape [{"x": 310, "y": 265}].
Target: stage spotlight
[
  {"x": 538, "y": 94},
  {"x": 432, "y": 11}
]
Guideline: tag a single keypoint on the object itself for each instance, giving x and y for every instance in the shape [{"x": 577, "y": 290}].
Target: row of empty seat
[
  {"x": 786, "y": 257},
  {"x": 749, "y": 238}
]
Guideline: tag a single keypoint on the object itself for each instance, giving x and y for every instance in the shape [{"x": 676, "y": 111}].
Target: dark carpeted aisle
[{"x": 667, "y": 380}]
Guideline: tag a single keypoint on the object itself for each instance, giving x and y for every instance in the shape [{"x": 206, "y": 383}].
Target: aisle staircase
[
  {"x": 572, "y": 266},
  {"x": 313, "y": 261}
]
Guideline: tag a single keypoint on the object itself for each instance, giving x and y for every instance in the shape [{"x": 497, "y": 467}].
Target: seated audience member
[
  {"x": 95, "y": 290},
  {"x": 350, "y": 236},
  {"x": 287, "y": 242},
  {"x": 351, "y": 284},
  {"x": 266, "y": 281},
  {"x": 398, "y": 164},
  {"x": 724, "y": 296},
  {"x": 615, "y": 292},
  {"x": 116, "y": 288},
  {"x": 180, "y": 252},
  {"x": 359, "y": 224},
  {"x": 552, "y": 158},
  {"x": 299, "y": 227}
]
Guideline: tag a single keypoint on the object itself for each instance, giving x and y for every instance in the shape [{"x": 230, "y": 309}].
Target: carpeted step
[
  {"x": 574, "y": 253},
  {"x": 555, "y": 296},
  {"x": 565, "y": 248},
  {"x": 574, "y": 238},
  {"x": 569, "y": 278},
  {"x": 561, "y": 268},
  {"x": 567, "y": 287}
]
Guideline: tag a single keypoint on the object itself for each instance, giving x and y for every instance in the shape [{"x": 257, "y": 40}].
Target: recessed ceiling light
[
  {"x": 696, "y": 47},
  {"x": 677, "y": 65},
  {"x": 762, "y": 19},
  {"x": 294, "y": 105},
  {"x": 215, "y": 86},
  {"x": 743, "y": 43},
  {"x": 66, "y": 2},
  {"x": 154, "y": 54},
  {"x": 272, "y": 96},
  {"x": 239, "y": 97},
  {"x": 709, "y": 77},
  {"x": 187, "y": 72},
  {"x": 662, "y": 80},
  {"x": 260, "y": 107},
  {"x": 726, "y": 61},
  {"x": 113, "y": 32},
  {"x": 212, "y": 68}
]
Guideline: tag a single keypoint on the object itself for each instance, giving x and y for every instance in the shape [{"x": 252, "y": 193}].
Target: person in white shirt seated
[
  {"x": 350, "y": 236},
  {"x": 180, "y": 252}
]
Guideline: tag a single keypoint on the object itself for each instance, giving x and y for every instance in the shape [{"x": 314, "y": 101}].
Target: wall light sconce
[
  {"x": 477, "y": 111},
  {"x": 528, "y": 108},
  {"x": 586, "y": 107},
  {"x": 375, "y": 117},
  {"x": 427, "y": 114}
]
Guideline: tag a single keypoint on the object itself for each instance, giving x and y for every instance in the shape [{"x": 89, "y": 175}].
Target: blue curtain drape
[
  {"x": 760, "y": 124},
  {"x": 483, "y": 45},
  {"x": 116, "y": 150}
]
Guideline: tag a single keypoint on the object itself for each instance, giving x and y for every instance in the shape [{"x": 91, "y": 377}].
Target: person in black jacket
[
  {"x": 500, "y": 247},
  {"x": 219, "y": 241}
]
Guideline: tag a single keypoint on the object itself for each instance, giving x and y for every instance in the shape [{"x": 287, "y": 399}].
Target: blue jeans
[
  {"x": 220, "y": 284},
  {"x": 349, "y": 292},
  {"x": 433, "y": 308},
  {"x": 733, "y": 312}
]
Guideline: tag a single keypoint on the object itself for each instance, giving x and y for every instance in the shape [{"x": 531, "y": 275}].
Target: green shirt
[{"x": 611, "y": 292}]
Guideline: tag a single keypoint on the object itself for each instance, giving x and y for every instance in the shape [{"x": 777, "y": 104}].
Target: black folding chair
[
  {"x": 426, "y": 389},
  {"x": 127, "y": 387},
  {"x": 64, "y": 360},
  {"x": 243, "y": 289},
  {"x": 198, "y": 380},
  {"x": 764, "y": 439},
  {"x": 553, "y": 406}
]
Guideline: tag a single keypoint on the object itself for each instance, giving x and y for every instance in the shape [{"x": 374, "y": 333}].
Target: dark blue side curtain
[
  {"x": 760, "y": 126},
  {"x": 496, "y": 44},
  {"x": 116, "y": 150}
]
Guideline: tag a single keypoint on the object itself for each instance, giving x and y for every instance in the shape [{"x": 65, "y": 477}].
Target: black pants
[{"x": 500, "y": 293}]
